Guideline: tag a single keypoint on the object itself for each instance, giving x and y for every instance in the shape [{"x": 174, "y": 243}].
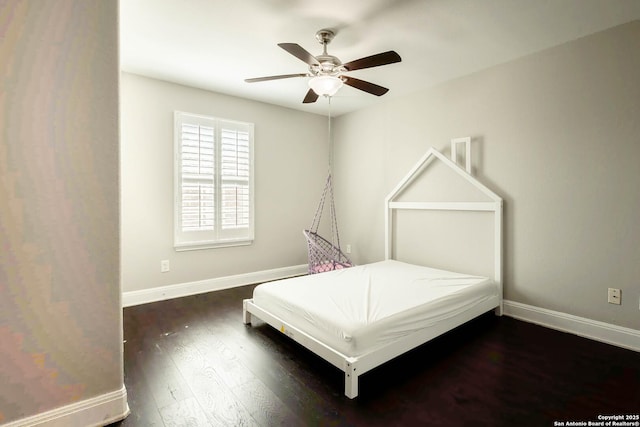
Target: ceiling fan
[{"x": 327, "y": 71}]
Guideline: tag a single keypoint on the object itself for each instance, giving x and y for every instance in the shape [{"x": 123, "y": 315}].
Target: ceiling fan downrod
[{"x": 324, "y": 37}]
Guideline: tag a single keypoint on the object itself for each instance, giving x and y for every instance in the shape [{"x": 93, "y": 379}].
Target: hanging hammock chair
[{"x": 325, "y": 255}]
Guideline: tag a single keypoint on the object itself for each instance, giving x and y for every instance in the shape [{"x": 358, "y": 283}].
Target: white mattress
[{"x": 359, "y": 309}]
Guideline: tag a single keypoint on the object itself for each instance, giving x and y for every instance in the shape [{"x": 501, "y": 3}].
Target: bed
[{"x": 360, "y": 317}]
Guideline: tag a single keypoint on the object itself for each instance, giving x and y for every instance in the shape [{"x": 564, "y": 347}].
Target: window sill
[{"x": 182, "y": 247}]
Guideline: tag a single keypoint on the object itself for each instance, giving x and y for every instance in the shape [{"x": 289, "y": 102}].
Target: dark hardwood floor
[{"x": 191, "y": 362}]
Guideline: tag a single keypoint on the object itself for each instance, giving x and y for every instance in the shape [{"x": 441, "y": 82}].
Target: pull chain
[
  {"x": 332, "y": 209},
  {"x": 330, "y": 139}
]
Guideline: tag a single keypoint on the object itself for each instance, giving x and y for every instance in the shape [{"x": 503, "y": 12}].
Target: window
[{"x": 213, "y": 182}]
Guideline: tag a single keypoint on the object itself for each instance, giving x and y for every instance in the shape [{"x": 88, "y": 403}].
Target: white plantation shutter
[
  {"x": 197, "y": 164},
  {"x": 235, "y": 178},
  {"x": 214, "y": 182}
]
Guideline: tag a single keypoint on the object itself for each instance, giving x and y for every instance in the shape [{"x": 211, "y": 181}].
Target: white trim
[
  {"x": 162, "y": 293},
  {"x": 183, "y": 247},
  {"x": 97, "y": 411},
  {"x": 588, "y": 328}
]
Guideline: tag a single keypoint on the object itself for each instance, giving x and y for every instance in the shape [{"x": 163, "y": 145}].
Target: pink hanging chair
[{"x": 325, "y": 255}]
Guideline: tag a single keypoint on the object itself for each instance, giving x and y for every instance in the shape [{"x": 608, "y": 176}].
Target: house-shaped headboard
[{"x": 494, "y": 205}]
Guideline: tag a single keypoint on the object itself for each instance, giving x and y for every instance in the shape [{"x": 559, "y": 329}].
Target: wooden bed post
[
  {"x": 497, "y": 225},
  {"x": 350, "y": 380},
  {"x": 388, "y": 221},
  {"x": 246, "y": 316}
]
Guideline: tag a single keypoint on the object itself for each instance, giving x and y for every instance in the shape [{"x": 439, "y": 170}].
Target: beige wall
[
  {"x": 60, "y": 316},
  {"x": 557, "y": 134},
  {"x": 290, "y": 167}
]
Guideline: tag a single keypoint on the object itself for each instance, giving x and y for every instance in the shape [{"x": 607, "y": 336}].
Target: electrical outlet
[
  {"x": 164, "y": 266},
  {"x": 348, "y": 249},
  {"x": 614, "y": 296}
]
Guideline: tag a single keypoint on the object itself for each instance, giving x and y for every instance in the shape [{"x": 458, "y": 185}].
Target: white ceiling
[{"x": 216, "y": 44}]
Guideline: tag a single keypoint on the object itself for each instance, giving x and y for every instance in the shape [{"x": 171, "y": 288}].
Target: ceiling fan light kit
[
  {"x": 326, "y": 71},
  {"x": 325, "y": 85}
]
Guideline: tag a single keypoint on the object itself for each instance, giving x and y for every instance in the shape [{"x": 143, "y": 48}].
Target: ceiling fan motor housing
[{"x": 329, "y": 66}]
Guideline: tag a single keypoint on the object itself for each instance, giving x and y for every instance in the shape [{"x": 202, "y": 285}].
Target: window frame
[{"x": 219, "y": 236}]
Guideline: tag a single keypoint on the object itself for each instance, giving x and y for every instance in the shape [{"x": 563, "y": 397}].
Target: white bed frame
[{"x": 353, "y": 367}]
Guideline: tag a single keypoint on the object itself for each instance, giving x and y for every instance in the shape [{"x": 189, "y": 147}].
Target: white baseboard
[
  {"x": 97, "y": 411},
  {"x": 162, "y": 293},
  {"x": 593, "y": 329}
]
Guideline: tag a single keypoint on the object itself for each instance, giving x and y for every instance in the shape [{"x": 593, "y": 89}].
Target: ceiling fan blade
[
  {"x": 282, "y": 76},
  {"x": 299, "y": 52},
  {"x": 310, "y": 97},
  {"x": 383, "y": 58},
  {"x": 371, "y": 88}
]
